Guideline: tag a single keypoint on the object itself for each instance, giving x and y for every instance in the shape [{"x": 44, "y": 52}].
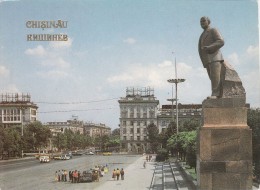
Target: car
[
  {"x": 107, "y": 153},
  {"x": 86, "y": 176},
  {"x": 77, "y": 153},
  {"x": 44, "y": 159},
  {"x": 89, "y": 153},
  {"x": 65, "y": 157}
]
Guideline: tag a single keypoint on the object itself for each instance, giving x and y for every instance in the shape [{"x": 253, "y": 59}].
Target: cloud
[
  {"x": 155, "y": 75},
  {"x": 53, "y": 74},
  {"x": 10, "y": 88},
  {"x": 130, "y": 41},
  {"x": 4, "y": 72},
  {"x": 52, "y": 57},
  {"x": 233, "y": 59},
  {"x": 165, "y": 64},
  {"x": 61, "y": 44},
  {"x": 38, "y": 51},
  {"x": 57, "y": 62},
  {"x": 253, "y": 51}
]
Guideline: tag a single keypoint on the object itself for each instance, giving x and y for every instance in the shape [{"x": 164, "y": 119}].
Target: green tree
[
  {"x": 153, "y": 137},
  {"x": 253, "y": 121}
]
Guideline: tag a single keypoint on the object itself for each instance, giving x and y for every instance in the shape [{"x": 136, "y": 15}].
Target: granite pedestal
[{"x": 224, "y": 159}]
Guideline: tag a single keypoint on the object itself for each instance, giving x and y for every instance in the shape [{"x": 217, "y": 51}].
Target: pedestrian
[
  {"x": 78, "y": 176},
  {"x": 69, "y": 175},
  {"x": 147, "y": 158},
  {"x": 117, "y": 174},
  {"x": 114, "y": 174},
  {"x": 144, "y": 164},
  {"x": 56, "y": 176},
  {"x": 122, "y": 173},
  {"x": 62, "y": 175},
  {"x": 59, "y": 175},
  {"x": 65, "y": 175},
  {"x": 150, "y": 158}
]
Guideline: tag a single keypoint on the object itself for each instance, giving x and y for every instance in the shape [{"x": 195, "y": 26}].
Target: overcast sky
[{"x": 115, "y": 44}]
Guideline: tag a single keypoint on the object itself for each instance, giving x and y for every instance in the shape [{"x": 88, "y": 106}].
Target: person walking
[
  {"x": 117, "y": 174},
  {"x": 56, "y": 176},
  {"x": 122, "y": 173},
  {"x": 59, "y": 175},
  {"x": 144, "y": 164},
  {"x": 114, "y": 174},
  {"x": 65, "y": 175}
]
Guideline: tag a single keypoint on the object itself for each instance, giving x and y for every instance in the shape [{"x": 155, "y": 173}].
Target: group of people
[
  {"x": 117, "y": 173},
  {"x": 74, "y": 176},
  {"x": 61, "y": 176}
]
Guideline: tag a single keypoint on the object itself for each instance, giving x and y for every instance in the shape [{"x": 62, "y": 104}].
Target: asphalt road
[{"x": 31, "y": 174}]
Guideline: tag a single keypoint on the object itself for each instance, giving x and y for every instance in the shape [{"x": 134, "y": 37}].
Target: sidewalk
[{"x": 136, "y": 177}]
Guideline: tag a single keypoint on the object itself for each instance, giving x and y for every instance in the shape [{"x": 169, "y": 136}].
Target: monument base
[{"x": 224, "y": 159}]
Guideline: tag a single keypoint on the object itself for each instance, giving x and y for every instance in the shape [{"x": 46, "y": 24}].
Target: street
[{"x": 31, "y": 174}]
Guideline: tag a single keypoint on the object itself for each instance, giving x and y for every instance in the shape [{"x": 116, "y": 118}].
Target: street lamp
[{"x": 176, "y": 81}]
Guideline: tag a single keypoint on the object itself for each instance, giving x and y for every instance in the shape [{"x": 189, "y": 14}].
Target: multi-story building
[
  {"x": 75, "y": 125},
  {"x": 17, "y": 109},
  {"x": 137, "y": 110},
  {"x": 96, "y": 130},
  {"x": 59, "y": 127},
  {"x": 168, "y": 114}
]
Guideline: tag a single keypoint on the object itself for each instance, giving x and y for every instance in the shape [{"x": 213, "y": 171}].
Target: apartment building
[
  {"x": 96, "y": 130},
  {"x": 138, "y": 109},
  {"x": 17, "y": 109},
  {"x": 168, "y": 113}
]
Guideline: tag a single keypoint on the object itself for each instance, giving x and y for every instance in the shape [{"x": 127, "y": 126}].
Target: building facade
[
  {"x": 167, "y": 114},
  {"x": 17, "y": 109},
  {"x": 138, "y": 109},
  {"x": 59, "y": 127},
  {"x": 96, "y": 130}
]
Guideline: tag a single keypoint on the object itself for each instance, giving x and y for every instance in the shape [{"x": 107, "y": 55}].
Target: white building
[
  {"x": 137, "y": 110},
  {"x": 16, "y": 109}
]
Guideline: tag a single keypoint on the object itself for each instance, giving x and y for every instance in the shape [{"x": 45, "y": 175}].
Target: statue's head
[{"x": 204, "y": 22}]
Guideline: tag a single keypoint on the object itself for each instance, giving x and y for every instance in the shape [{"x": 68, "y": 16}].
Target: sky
[{"x": 117, "y": 44}]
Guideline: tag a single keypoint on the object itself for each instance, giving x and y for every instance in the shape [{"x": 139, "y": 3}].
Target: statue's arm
[{"x": 218, "y": 41}]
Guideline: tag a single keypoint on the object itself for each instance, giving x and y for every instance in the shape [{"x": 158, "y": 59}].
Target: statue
[{"x": 224, "y": 79}]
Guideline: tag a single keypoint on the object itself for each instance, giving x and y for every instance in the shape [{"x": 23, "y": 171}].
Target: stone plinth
[{"x": 224, "y": 160}]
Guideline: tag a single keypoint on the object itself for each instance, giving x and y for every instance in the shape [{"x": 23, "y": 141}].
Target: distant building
[
  {"x": 96, "y": 130},
  {"x": 167, "y": 114},
  {"x": 16, "y": 109},
  {"x": 75, "y": 125},
  {"x": 137, "y": 110},
  {"x": 59, "y": 127}
]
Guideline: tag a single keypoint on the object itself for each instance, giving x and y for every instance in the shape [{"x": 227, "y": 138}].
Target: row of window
[
  {"x": 131, "y": 138},
  {"x": 138, "y": 115},
  {"x": 131, "y": 123},
  {"x": 138, "y": 130}
]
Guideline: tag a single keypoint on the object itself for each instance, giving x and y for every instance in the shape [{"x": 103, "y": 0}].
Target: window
[
  {"x": 131, "y": 123},
  {"x": 138, "y": 130},
  {"x": 138, "y": 138},
  {"x": 124, "y": 123},
  {"x": 132, "y": 130},
  {"x": 124, "y": 130}
]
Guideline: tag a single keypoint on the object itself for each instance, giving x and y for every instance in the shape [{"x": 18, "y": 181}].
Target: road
[{"x": 31, "y": 174}]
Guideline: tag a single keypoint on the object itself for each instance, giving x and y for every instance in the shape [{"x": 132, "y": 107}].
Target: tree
[
  {"x": 253, "y": 121},
  {"x": 40, "y": 132},
  {"x": 153, "y": 137}
]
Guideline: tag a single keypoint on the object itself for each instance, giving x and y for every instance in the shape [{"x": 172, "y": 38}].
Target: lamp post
[{"x": 176, "y": 81}]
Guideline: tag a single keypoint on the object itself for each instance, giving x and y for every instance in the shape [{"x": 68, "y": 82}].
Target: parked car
[
  {"x": 77, "y": 153},
  {"x": 89, "y": 153},
  {"x": 107, "y": 153},
  {"x": 86, "y": 176},
  {"x": 44, "y": 159},
  {"x": 57, "y": 157},
  {"x": 65, "y": 157}
]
